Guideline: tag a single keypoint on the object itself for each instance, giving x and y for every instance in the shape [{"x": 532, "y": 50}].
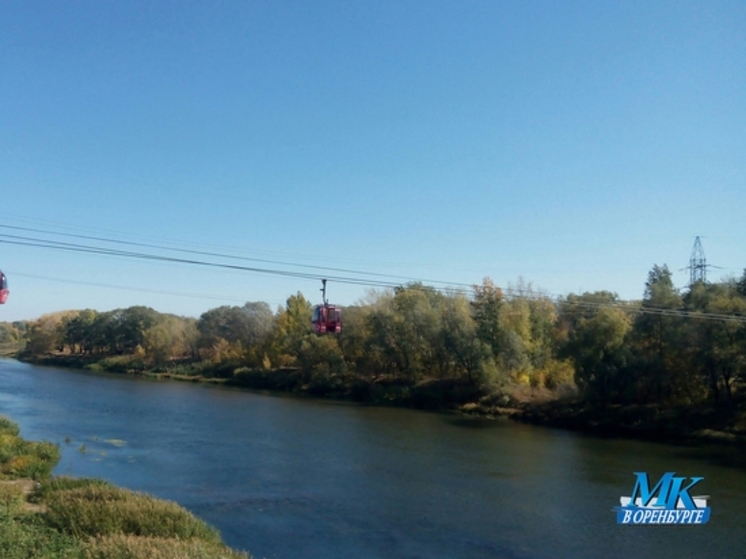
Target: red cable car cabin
[
  {"x": 326, "y": 319},
  {"x": 3, "y": 288}
]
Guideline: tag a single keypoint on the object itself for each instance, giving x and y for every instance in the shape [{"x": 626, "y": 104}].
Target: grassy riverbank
[{"x": 45, "y": 517}]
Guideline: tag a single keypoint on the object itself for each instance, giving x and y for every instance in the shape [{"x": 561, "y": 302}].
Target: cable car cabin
[
  {"x": 326, "y": 319},
  {"x": 3, "y": 288}
]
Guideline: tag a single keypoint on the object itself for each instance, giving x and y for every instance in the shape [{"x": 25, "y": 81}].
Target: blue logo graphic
[{"x": 673, "y": 504}]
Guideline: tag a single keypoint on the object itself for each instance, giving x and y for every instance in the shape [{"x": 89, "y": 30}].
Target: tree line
[{"x": 609, "y": 351}]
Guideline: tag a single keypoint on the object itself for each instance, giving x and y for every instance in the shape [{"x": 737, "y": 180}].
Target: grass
[
  {"x": 69, "y": 518},
  {"x": 64, "y": 483},
  {"x": 27, "y": 536},
  {"x": 11, "y": 500},
  {"x": 97, "y": 510},
  {"x": 127, "y": 547}
]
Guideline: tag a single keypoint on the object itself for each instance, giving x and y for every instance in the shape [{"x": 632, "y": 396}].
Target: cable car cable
[
  {"x": 229, "y": 256},
  {"x": 60, "y": 245}
]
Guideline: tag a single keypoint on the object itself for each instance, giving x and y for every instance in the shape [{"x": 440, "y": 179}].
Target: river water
[{"x": 286, "y": 477}]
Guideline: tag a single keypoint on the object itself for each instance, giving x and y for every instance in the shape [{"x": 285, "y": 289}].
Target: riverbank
[
  {"x": 427, "y": 394},
  {"x": 61, "y": 517},
  {"x": 676, "y": 424}
]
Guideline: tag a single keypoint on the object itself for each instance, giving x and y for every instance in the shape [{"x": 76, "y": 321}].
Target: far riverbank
[{"x": 681, "y": 424}]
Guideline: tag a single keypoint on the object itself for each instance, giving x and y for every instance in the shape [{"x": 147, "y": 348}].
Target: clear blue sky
[{"x": 575, "y": 144}]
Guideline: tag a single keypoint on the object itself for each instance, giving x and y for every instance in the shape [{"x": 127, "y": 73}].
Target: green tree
[
  {"x": 172, "y": 338},
  {"x": 741, "y": 285},
  {"x": 245, "y": 328},
  {"x": 595, "y": 330},
  {"x": 415, "y": 328},
  {"x": 515, "y": 341},
  {"x": 354, "y": 335},
  {"x": 543, "y": 347},
  {"x": 600, "y": 354},
  {"x": 79, "y": 334},
  {"x": 292, "y": 324},
  {"x": 258, "y": 324},
  {"x": 224, "y": 322},
  {"x": 717, "y": 347},
  {"x": 658, "y": 340},
  {"x": 470, "y": 356},
  {"x": 103, "y": 335},
  {"x": 322, "y": 359},
  {"x": 487, "y": 302},
  {"x": 125, "y": 328},
  {"x": 135, "y": 321},
  {"x": 8, "y": 333}
]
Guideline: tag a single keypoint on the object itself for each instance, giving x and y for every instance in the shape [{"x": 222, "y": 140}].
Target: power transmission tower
[{"x": 697, "y": 264}]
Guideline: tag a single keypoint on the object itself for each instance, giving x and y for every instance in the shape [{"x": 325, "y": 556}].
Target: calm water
[{"x": 287, "y": 478}]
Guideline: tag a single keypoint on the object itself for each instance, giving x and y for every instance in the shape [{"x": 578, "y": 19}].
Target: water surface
[{"x": 289, "y": 477}]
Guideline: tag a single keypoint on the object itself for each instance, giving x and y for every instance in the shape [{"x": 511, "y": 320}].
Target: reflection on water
[{"x": 292, "y": 477}]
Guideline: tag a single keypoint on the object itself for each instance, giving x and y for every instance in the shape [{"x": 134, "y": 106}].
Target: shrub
[
  {"x": 119, "y": 364},
  {"x": 19, "y": 458},
  {"x": 100, "y": 511},
  {"x": 15, "y": 465},
  {"x": 187, "y": 368},
  {"x": 8, "y": 427},
  {"x": 44, "y": 457},
  {"x": 10, "y": 446},
  {"x": 558, "y": 373}
]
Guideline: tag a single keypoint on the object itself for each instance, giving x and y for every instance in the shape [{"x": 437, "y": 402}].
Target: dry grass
[
  {"x": 119, "y": 546},
  {"x": 99, "y": 511}
]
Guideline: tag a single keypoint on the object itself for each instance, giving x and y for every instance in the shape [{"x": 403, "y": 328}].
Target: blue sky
[{"x": 574, "y": 144}]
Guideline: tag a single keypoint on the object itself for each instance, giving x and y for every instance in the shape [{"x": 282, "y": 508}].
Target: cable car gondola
[
  {"x": 3, "y": 288},
  {"x": 326, "y": 319}
]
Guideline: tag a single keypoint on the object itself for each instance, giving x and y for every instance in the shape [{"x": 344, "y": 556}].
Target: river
[{"x": 286, "y": 477}]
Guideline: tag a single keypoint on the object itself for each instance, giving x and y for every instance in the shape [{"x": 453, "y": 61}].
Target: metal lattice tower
[{"x": 697, "y": 264}]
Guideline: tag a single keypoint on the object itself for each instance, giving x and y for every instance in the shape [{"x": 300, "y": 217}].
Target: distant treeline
[{"x": 488, "y": 342}]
